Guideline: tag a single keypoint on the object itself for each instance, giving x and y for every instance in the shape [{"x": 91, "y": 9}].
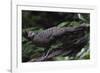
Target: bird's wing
[{"x": 57, "y": 31}]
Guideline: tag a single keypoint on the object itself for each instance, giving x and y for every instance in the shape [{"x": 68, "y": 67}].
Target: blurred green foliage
[{"x": 40, "y": 20}]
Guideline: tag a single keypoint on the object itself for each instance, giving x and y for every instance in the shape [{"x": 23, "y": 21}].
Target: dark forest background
[{"x": 40, "y": 20}]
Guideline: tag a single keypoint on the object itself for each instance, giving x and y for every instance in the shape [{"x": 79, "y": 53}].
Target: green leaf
[{"x": 63, "y": 24}]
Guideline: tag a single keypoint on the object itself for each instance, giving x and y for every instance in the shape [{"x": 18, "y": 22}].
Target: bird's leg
[
  {"x": 48, "y": 48},
  {"x": 45, "y": 55}
]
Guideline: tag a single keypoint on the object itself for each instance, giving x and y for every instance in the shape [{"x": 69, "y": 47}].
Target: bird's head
[{"x": 31, "y": 34}]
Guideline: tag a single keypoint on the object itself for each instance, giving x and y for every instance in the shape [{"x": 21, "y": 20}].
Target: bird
[
  {"x": 71, "y": 37},
  {"x": 44, "y": 38}
]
